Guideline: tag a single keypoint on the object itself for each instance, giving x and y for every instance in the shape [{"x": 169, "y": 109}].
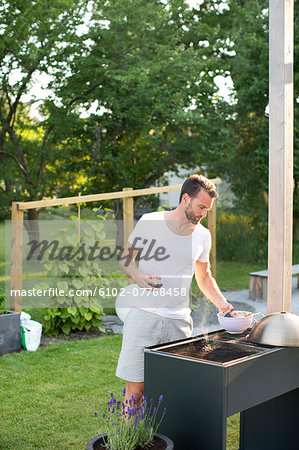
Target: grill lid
[{"x": 281, "y": 329}]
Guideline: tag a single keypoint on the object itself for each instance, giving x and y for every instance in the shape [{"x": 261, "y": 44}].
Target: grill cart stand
[{"x": 201, "y": 391}]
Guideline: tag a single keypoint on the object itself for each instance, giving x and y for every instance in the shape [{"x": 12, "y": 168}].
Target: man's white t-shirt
[{"x": 172, "y": 257}]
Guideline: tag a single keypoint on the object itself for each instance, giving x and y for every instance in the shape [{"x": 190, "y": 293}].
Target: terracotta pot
[{"x": 161, "y": 442}]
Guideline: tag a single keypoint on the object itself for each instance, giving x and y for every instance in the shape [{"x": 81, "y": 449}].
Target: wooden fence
[{"x": 127, "y": 194}]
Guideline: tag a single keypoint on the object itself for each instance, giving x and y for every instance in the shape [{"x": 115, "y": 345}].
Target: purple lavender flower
[
  {"x": 111, "y": 394},
  {"x": 161, "y": 398},
  {"x": 104, "y": 416},
  {"x": 124, "y": 391},
  {"x": 140, "y": 395},
  {"x": 164, "y": 410},
  {"x": 96, "y": 414},
  {"x": 152, "y": 401},
  {"x": 136, "y": 420}
]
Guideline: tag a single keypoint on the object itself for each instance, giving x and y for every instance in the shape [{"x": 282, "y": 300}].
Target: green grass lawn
[
  {"x": 49, "y": 397},
  {"x": 233, "y": 276},
  {"x": 230, "y": 276}
]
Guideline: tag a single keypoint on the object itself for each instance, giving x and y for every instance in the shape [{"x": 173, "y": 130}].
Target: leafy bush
[
  {"x": 84, "y": 311},
  {"x": 65, "y": 320},
  {"x": 240, "y": 239},
  {"x": 295, "y": 251},
  {"x": 2, "y": 302}
]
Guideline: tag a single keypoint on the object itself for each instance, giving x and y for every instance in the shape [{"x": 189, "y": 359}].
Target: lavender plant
[{"x": 131, "y": 423}]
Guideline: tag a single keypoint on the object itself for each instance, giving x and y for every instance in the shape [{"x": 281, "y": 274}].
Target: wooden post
[
  {"x": 100, "y": 197},
  {"x": 280, "y": 155},
  {"x": 17, "y": 217},
  {"x": 212, "y": 228},
  {"x": 128, "y": 215}
]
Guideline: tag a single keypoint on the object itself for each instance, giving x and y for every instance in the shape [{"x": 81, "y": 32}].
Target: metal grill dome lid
[{"x": 279, "y": 329}]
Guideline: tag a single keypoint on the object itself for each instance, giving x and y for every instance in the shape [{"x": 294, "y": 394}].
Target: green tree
[
  {"x": 37, "y": 38},
  {"x": 249, "y": 71},
  {"x": 147, "y": 68},
  {"x": 245, "y": 26}
]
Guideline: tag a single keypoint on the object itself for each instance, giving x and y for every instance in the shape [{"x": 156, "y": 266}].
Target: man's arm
[
  {"x": 207, "y": 284},
  {"x": 129, "y": 267}
]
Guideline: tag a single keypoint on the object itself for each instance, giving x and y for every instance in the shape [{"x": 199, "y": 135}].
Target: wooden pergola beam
[{"x": 98, "y": 197}]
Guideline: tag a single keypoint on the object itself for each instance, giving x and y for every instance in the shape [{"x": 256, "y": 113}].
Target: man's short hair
[{"x": 195, "y": 183}]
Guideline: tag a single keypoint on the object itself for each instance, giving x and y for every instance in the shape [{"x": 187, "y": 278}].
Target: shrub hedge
[{"x": 240, "y": 239}]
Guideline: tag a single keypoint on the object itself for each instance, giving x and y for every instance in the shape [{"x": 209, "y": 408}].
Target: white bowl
[{"x": 240, "y": 321}]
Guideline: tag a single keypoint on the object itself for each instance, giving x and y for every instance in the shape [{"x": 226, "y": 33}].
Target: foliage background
[{"x": 100, "y": 95}]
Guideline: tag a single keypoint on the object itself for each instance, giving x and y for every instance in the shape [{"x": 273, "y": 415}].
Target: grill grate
[
  {"x": 218, "y": 347},
  {"x": 213, "y": 350}
]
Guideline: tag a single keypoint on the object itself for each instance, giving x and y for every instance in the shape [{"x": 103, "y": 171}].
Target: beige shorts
[{"x": 143, "y": 329}]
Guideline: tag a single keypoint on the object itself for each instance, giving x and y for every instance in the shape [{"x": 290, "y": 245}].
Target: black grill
[{"x": 207, "y": 378}]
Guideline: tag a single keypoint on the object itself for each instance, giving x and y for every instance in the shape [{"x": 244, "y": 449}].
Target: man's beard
[{"x": 190, "y": 215}]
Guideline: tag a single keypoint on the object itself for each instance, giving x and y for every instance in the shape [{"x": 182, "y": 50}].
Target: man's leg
[{"x": 133, "y": 388}]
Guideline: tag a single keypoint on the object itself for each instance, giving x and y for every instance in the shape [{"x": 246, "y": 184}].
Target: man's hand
[
  {"x": 130, "y": 268},
  {"x": 226, "y": 307},
  {"x": 147, "y": 281},
  {"x": 209, "y": 287}
]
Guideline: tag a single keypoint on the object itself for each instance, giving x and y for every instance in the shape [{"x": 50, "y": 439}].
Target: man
[{"x": 172, "y": 247}]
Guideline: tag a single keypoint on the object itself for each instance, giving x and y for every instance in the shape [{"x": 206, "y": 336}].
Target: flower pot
[
  {"x": 161, "y": 442},
  {"x": 10, "y": 332}
]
